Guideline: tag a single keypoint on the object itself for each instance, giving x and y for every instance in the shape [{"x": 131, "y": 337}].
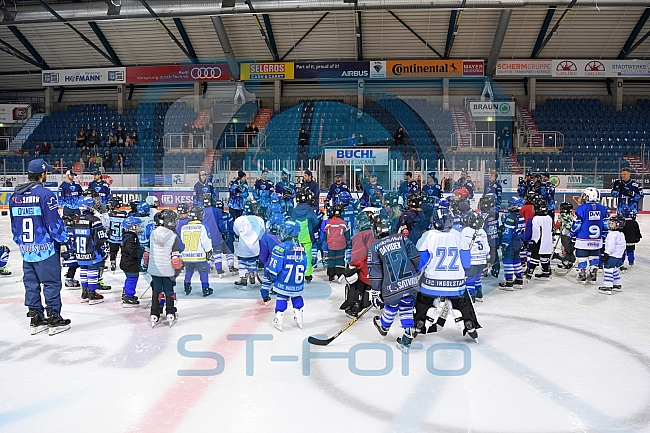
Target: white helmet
[
  {"x": 590, "y": 194},
  {"x": 152, "y": 201}
]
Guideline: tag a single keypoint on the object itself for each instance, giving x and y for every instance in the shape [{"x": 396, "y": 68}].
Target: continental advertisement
[
  {"x": 267, "y": 71},
  {"x": 424, "y": 68}
]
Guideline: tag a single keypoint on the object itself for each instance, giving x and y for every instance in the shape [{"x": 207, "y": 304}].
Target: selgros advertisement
[
  {"x": 524, "y": 68},
  {"x": 177, "y": 73},
  {"x": 600, "y": 68},
  {"x": 492, "y": 109},
  {"x": 306, "y": 70},
  {"x": 267, "y": 71},
  {"x": 356, "y": 156},
  {"x": 12, "y": 113},
  {"x": 84, "y": 77}
]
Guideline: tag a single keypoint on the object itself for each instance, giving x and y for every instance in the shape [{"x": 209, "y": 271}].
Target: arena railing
[
  {"x": 470, "y": 139},
  {"x": 186, "y": 141},
  {"x": 242, "y": 140}
]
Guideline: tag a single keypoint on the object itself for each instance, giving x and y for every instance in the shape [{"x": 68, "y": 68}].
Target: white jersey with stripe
[
  {"x": 443, "y": 274},
  {"x": 196, "y": 241},
  {"x": 542, "y": 232},
  {"x": 478, "y": 241}
]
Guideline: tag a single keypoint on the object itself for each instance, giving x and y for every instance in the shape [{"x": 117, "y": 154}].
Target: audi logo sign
[{"x": 207, "y": 73}]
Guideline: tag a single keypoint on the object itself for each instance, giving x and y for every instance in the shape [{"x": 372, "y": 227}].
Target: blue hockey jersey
[
  {"x": 334, "y": 191},
  {"x": 491, "y": 227},
  {"x": 547, "y": 191},
  {"x": 238, "y": 193},
  {"x": 69, "y": 195},
  {"x": 213, "y": 221},
  {"x": 287, "y": 268},
  {"x": 262, "y": 192},
  {"x": 512, "y": 231},
  {"x": 201, "y": 189},
  {"x": 372, "y": 195},
  {"x": 408, "y": 188},
  {"x": 588, "y": 226},
  {"x": 89, "y": 239},
  {"x": 495, "y": 188},
  {"x": 393, "y": 268},
  {"x": 37, "y": 228},
  {"x": 434, "y": 190},
  {"x": 228, "y": 223},
  {"x": 115, "y": 219},
  {"x": 268, "y": 242},
  {"x": 102, "y": 189},
  {"x": 349, "y": 214},
  {"x": 629, "y": 194}
]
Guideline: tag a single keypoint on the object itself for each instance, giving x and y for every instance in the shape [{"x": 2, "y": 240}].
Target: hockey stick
[{"x": 318, "y": 342}]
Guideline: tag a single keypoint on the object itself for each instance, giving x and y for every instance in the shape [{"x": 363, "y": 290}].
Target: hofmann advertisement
[
  {"x": 84, "y": 77},
  {"x": 267, "y": 71},
  {"x": 355, "y": 156}
]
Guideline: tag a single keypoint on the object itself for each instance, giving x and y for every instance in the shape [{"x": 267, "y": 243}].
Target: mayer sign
[{"x": 356, "y": 156}]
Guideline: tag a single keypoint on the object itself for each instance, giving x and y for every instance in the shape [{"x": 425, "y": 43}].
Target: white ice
[{"x": 554, "y": 357}]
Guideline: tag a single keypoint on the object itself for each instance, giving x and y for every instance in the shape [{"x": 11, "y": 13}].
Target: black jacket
[{"x": 130, "y": 262}]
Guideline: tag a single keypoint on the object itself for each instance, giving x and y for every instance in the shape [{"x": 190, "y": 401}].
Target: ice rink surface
[{"x": 556, "y": 356}]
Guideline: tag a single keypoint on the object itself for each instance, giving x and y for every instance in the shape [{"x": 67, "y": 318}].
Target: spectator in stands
[
  {"x": 108, "y": 160},
  {"x": 8, "y": 182},
  {"x": 112, "y": 139},
  {"x": 247, "y": 132},
  {"x": 45, "y": 150},
  {"x": 113, "y": 128},
  {"x": 57, "y": 167},
  {"x": 81, "y": 138},
  {"x": 89, "y": 132},
  {"x": 120, "y": 160},
  {"x": 352, "y": 141},
  {"x": 93, "y": 141},
  {"x": 134, "y": 139},
  {"x": 506, "y": 142},
  {"x": 254, "y": 131},
  {"x": 186, "y": 130},
  {"x": 127, "y": 142},
  {"x": 37, "y": 150},
  {"x": 398, "y": 137},
  {"x": 95, "y": 162},
  {"x": 121, "y": 135},
  {"x": 85, "y": 156}
]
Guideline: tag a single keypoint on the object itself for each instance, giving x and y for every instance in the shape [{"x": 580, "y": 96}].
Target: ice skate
[
  {"x": 94, "y": 297},
  {"x": 592, "y": 276},
  {"x": 129, "y": 302},
  {"x": 72, "y": 284},
  {"x": 582, "y": 276},
  {"x": 103, "y": 287},
  {"x": 506, "y": 285},
  {"x": 352, "y": 311},
  {"x": 605, "y": 290},
  {"x": 36, "y": 323},
  {"x": 404, "y": 343},
  {"x": 172, "y": 318},
  {"x": 251, "y": 278},
  {"x": 266, "y": 300},
  {"x": 155, "y": 321},
  {"x": 4, "y": 271},
  {"x": 617, "y": 288},
  {"x": 471, "y": 331},
  {"x": 188, "y": 288},
  {"x": 113, "y": 265},
  {"x": 544, "y": 275},
  {"x": 207, "y": 291},
  {"x": 242, "y": 283},
  {"x": 308, "y": 279},
  {"x": 518, "y": 283},
  {"x": 220, "y": 273},
  {"x": 277, "y": 322},
  {"x": 377, "y": 322},
  {"x": 233, "y": 270},
  {"x": 528, "y": 274},
  {"x": 55, "y": 323},
  {"x": 622, "y": 269},
  {"x": 84, "y": 295},
  {"x": 297, "y": 317}
]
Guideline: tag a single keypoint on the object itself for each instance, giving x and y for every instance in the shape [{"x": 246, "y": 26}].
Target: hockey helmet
[
  {"x": 329, "y": 211},
  {"x": 379, "y": 229},
  {"x": 196, "y": 213},
  {"x": 182, "y": 209},
  {"x": 474, "y": 220},
  {"x": 290, "y": 229},
  {"x": 566, "y": 207},
  {"x": 345, "y": 198},
  {"x": 152, "y": 201},
  {"x": 531, "y": 196},
  {"x": 461, "y": 193},
  {"x": 90, "y": 193},
  {"x": 219, "y": 204},
  {"x": 463, "y": 206},
  {"x": 115, "y": 202},
  {"x": 275, "y": 223},
  {"x": 443, "y": 219},
  {"x": 131, "y": 223},
  {"x": 275, "y": 208},
  {"x": 248, "y": 208},
  {"x": 286, "y": 195},
  {"x": 487, "y": 202},
  {"x": 86, "y": 203},
  {"x": 515, "y": 204},
  {"x": 589, "y": 194},
  {"x": 414, "y": 201},
  {"x": 617, "y": 222},
  {"x": 337, "y": 210},
  {"x": 302, "y": 196},
  {"x": 167, "y": 218},
  {"x": 69, "y": 219},
  {"x": 361, "y": 222},
  {"x": 143, "y": 209},
  {"x": 275, "y": 197},
  {"x": 206, "y": 200},
  {"x": 541, "y": 207},
  {"x": 133, "y": 204},
  {"x": 392, "y": 199}
]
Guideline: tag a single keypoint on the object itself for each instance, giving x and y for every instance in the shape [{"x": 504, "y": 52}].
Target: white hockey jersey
[
  {"x": 480, "y": 249},
  {"x": 615, "y": 244},
  {"x": 196, "y": 241},
  {"x": 443, "y": 274},
  {"x": 542, "y": 232}
]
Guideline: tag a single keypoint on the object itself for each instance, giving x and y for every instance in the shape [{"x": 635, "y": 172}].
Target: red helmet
[{"x": 462, "y": 192}]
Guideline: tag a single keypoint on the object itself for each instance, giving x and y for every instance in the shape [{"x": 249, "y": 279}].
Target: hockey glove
[
  {"x": 208, "y": 255},
  {"x": 618, "y": 183},
  {"x": 65, "y": 255},
  {"x": 504, "y": 248},
  {"x": 604, "y": 257},
  {"x": 376, "y": 299},
  {"x": 5, "y": 249},
  {"x": 177, "y": 262},
  {"x": 145, "y": 258}
]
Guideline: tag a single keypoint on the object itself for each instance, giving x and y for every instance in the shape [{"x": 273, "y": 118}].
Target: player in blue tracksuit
[
  {"x": 587, "y": 230},
  {"x": 491, "y": 226},
  {"x": 547, "y": 191},
  {"x": 493, "y": 186},
  {"x": 348, "y": 215},
  {"x": 228, "y": 237},
  {"x": 213, "y": 221},
  {"x": 102, "y": 188},
  {"x": 286, "y": 269},
  {"x": 39, "y": 231},
  {"x": 408, "y": 186},
  {"x": 262, "y": 193},
  {"x": 524, "y": 185},
  {"x": 238, "y": 190},
  {"x": 69, "y": 193},
  {"x": 432, "y": 188},
  {"x": 512, "y": 232},
  {"x": 201, "y": 188},
  {"x": 335, "y": 190},
  {"x": 413, "y": 222},
  {"x": 115, "y": 230},
  {"x": 268, "y": 242},
  {"x": 629, "y": 193},
  {"x": 428, "y": 206},
  {"x": 318, "y": 241},
  {"x": 373, "y": 193},
  {"x": 286, "y": 190}
]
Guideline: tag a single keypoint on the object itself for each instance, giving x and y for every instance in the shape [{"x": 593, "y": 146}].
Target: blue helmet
[
  {"x": 275, "y": 208},
  {"x": 291, "y": 229},
  {"x": 515, "y": 203},
  {"x": 131, "y": 222},
  {"x": 443, "y": 219},
  {"x": 143, "y": 209},
  {"x": 85, "y": 203},
  {"x": 276, "y": 197},
  {"x": 275, "y": 223},
  {"x": 345, "y": 197}
]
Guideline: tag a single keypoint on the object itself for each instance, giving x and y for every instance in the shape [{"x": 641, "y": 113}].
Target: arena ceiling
[{"x": 587, "y": 31}]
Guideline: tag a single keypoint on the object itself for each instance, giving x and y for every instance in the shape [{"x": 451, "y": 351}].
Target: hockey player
[
  {"x": 69, "y": 192},
  {"x": 286, "y": 269},
  {"x": 524, "y": 185},
  {"x": 262, "y": 193},
  {"x": 250, "y": 229},
  {"x": 372, "y": 191},
  {"x": 100, "y": 211},
  {"x": 164, "y": 266},
  {"x": 143, "y": 211},
  {"x": 541, "y": 241},
  {"x": 286, "y": 191},
  {"x": 130, "y": 262},
  {"x": 493, "y": 186},
  {"x": 413, "y": 222},
  {"x": 181, "y": 211},
  {"x": 228, "y": 238},
  {"x": 547, "y": 191},
  {"x": 213, "y": 221},
  {"x": 102, "y": 188},
  {"x": 432, "y": 188},
  {"x": 487, "y": 206},
  {"x": 316, "y": 233},
  {"x": 116, "y": 218},
  {"x": 335, "y": 189},
  {"x": 512, "y": 233},
  {"x": 408, "y": 186},
  {"x": 304, "y": 215},
  {"x": 465, "y": 182},
  {"x": 350, "y": 210},
  {"x": 444, "y": 258},
  {"x": 393, "y": 210},
  {"x": 197, "y": 249},
  {"x": 632, "y": 236},
  {"x": 588, "y": 231},
  {"x": 337, "y": 237},
  {"x": 428, "y": 205},
  {"x": 528, "y": 212},
  {"x": 201, "y": 188},
  {"x": 392, "y": 271},
  {"x": 356, "y": 274},
  {"x": 69, "y": 260},
  {"x": 269, "y": 241},
  {"x": 152, "y": 201},
  {"x": 4, "y": 258},
  {"x": 459, "y": 207},
  {"x": 614, "y": 251},
  {"x": 476, "y": 237},
  {"x": 565, "y": 223},
  {"x": 238, "y": 191},
  {"x": 628, "y": 191},
  {"x": 89, "y": 238}
]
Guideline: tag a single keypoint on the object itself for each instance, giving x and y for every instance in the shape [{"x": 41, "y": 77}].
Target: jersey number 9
[{"x": 28, "y": 230}]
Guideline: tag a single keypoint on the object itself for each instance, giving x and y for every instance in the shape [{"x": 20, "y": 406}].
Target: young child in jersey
[
  {"x": 632, "y": 236},
  {"x": 213, "y": 222},
  {"x": 250, "y": 229},
  {"x": 541, "y": 241},
  {"x": 4, "y": 258},
  {"x": 228, "y": 238},
  {"x": 615, "y": 245},
  {"x": 477, "y": 239},
  {"x": 197, "y": 250},
  {"x": 487, "y": 205},
  {"x": 269, "y": 241},
  {"x": 565, "y": 222},
  {"x": 130, "y": 263},
  {"x": 182, "y": 210},
  {"x": 587, "y": 229},
  {"x": 100, "y": 211},
  {"x": 68, "y": 257},
  {"x": 512, "y": 232},
  {"x": 286, "y": 269},
  {"x": 337, "y": 237},
  {"x": 116, "y": 218}
]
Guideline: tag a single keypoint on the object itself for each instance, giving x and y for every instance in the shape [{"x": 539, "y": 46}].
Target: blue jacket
[
  {"x": 334, "y": 191},
  {"x": 102, "y": 189},
  {"x": 494, "y": 188},
  {"x": 262, "y": 192},
  {"x": 69, "y": 195},
  {"x": 629, "y": 194},
  {"x": 434, "y": 190},
  {"x": 200, "y": 189}
]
